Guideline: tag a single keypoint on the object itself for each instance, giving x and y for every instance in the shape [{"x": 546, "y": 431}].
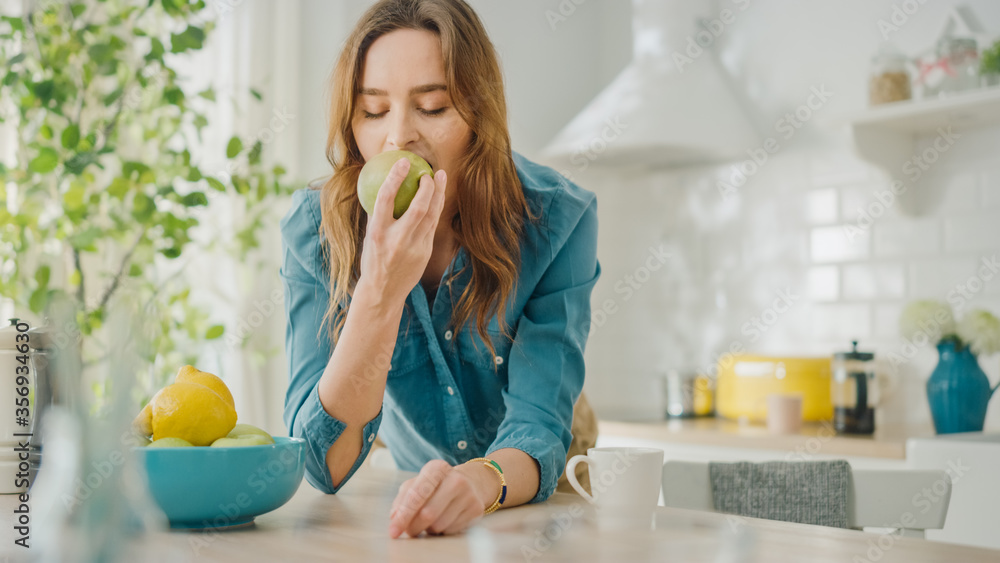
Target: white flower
[
  {"x": 929, "y": 317},
  {"x": 981, "y": 331}
]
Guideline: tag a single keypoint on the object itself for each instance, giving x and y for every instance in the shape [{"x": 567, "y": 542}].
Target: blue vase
[{"x": 958, "y": 390}]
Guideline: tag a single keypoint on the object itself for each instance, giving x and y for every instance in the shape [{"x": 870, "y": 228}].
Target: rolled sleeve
[
  {"x": 320, "y": 431},
  {"x": 546, "y": 363},
  {"x": 308, "y": 348}
]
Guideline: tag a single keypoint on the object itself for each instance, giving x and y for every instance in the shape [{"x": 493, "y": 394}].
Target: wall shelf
[{"x": 886, "y": 135}]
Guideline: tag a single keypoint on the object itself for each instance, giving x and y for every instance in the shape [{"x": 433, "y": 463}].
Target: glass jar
[
  {"x": 889, "y": 80},
  {"x": 853, "y": 391},
  {"x": 960, "y": 58}
]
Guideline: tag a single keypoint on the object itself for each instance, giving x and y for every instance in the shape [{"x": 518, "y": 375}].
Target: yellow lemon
[
  {"x": 143, "y": 422},
  {"x": 190, "y": 374},
  {"x": 191, "y": 412}
]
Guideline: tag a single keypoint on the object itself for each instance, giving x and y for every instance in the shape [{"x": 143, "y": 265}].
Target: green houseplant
[{"x": 106, "y": 189}]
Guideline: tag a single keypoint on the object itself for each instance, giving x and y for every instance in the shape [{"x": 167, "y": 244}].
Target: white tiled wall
[{"x": 785, "y": 230}]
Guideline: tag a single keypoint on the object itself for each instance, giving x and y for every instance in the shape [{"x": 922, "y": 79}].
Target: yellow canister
[{"x": 745, "y": 381}]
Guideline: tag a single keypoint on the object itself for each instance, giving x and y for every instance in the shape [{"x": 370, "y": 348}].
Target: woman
[{"x": 457, "y": 331}]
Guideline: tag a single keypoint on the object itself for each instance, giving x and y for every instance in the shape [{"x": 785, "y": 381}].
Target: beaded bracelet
[{"x": 503, "y": 483}]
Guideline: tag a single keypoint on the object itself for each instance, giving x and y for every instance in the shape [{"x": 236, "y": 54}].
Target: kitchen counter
[
  {"x": 888, "y": 443},
  {"x": 352, "y": 526}
]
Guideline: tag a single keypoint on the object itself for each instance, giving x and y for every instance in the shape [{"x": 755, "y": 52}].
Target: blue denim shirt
[{"x": 446, "y": 397}]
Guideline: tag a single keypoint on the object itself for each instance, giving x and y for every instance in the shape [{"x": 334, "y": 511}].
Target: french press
[{"x": 853, "y": 391}]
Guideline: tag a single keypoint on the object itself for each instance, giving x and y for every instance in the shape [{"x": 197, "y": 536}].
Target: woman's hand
[
  {"x": 442, "y": 499},
  {"x": 396, "y": 251}
]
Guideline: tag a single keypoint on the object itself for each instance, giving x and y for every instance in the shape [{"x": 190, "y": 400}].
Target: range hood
[{"x": 667, "y": 107}]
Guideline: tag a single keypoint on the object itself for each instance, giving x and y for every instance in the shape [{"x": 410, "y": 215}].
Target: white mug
[{"x": 625, "y": 483}]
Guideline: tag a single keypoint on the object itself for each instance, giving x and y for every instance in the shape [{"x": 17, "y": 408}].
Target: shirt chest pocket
[{"x": 474, "y": 351}]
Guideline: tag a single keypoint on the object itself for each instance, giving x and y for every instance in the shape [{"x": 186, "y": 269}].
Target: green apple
[
  {"x": 170, "y": 442},
  {"x": 247, "y": 430},
  {"x": 373, "y": 175},
  {"x": 244, "y": 440}
]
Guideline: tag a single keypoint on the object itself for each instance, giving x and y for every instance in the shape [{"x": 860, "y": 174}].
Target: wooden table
[{"x": 352, "y": 526}]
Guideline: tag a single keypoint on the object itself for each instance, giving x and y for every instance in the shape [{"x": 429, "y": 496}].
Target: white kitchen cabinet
[{"x": 974, "y": 514}]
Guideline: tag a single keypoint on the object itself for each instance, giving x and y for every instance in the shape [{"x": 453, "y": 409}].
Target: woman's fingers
[
  {"x": 464, "y": 506},
  {"x": 400, "y": 495},
  {"x": 386, "y": 199},
  {"x": 437, "y": 203},
  {"x": 466, "y": 518},
  {"x": 444, "y": 500},
  {"x": 421, "y": 203},
  {"x": 416, "y": 496}
]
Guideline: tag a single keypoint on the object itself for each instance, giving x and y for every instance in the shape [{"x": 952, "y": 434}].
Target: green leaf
[
  {"x": 79, "y": 161},
  {"x": 234, "y": 147},
  {"x": 44, "y": 91},
  {"x": 118, "y": 188},
  {"x": 156, "y": 50},
  {"x": 45, "y": 162},
  {"x": 38, "y": 300},
  {"x": 77, "y": 9},
  {"x": 190, "y": 38},
  {"x": 172, "y": 252},
  {"x": 142, "y": 207},
  {"x": 42, "y": 276},
  {"x": 208, "y": 94},
  {"x": 194, "y": 199},
  {"x": 241, "y": 185},
  {"x": 253, "y": 157},
  {"x": 214, "y": 332},
  {"x": 71, "y": 136},
  {"x": 101, "y": 53},
  {"x": 256, "y": 94},
  {"x": 173, "y": 96},
  {"x": 113, "y": 96},
  {"x": 84, "y": 240},
  {"x": 134, "y": 270},
  {"x": 16, "y": 59},
  {"x": 73, "y": 197},
  {"x": 216, "y": 185}
]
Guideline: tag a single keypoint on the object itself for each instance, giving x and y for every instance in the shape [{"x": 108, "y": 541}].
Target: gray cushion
[{"x": 807, "y": 492}]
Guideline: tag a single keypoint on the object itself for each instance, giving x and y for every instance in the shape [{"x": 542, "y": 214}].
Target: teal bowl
[{"x": 205, "y": 487}]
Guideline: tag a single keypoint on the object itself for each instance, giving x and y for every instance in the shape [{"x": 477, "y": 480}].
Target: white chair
[{"x": 910, "y": 501}]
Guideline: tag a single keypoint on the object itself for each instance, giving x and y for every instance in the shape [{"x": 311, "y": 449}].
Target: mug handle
[{"x": 571, "y": 476}]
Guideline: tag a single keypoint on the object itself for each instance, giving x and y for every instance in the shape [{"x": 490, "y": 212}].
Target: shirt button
[
  {"x": 462, "y": 444},
  {"x": 451, "y": 391},
  {"x": 498, "y": 360},
  {"x": 447, "y": 335},
  {"x": 371, "y": 438}
]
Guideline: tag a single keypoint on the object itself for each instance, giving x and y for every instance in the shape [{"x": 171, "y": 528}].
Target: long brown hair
[{"x": 491, "y": 206}]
